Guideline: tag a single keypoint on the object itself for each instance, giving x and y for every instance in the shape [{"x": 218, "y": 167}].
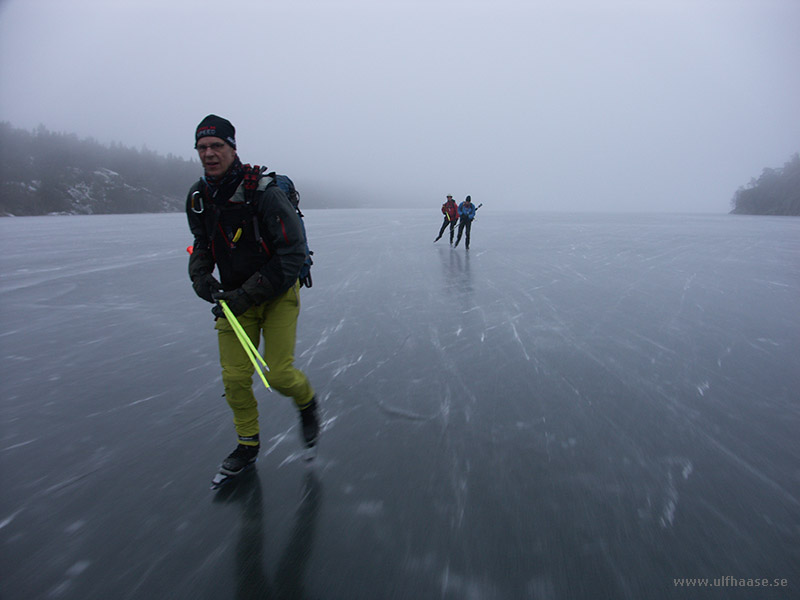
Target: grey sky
[{"x": 570, "y": 105}]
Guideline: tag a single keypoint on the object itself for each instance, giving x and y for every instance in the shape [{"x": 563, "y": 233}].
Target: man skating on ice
[
  {"x": 450, "y": 212},
  {"x": 466, "y": 213},
  {"x": 258, "y": 249}
]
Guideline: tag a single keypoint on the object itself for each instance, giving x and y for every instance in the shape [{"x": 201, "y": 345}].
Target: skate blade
[
  {"x": 223, "y": 477},
  {"x": 219, "y": 480}
]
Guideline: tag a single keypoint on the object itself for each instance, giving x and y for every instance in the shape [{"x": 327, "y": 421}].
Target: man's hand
[
  {"x": 237, "y": 300},
  {"x": 205, "y": 286}
]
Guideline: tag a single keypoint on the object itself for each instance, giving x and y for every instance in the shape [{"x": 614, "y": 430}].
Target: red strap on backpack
[{"x": 251, "y": 176}]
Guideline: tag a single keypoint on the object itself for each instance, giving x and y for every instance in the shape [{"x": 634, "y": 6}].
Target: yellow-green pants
[{"x": 277, "y": 322}]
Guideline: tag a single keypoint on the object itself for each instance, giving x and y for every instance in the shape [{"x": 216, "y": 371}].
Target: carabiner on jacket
[{"x": 197, "y": 196}]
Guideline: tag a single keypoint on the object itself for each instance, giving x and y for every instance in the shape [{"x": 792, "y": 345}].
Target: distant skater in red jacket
[{"x": 450, "y": 212}]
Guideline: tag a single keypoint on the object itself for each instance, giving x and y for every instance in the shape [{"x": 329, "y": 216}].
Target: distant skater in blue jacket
[{"x": 466, "y": 212}]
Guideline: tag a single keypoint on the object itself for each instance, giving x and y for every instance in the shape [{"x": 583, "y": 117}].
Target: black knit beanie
[{"x": 214, "y": 126}]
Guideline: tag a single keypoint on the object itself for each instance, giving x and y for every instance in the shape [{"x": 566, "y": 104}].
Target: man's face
[{"x": 215, "y": 155}]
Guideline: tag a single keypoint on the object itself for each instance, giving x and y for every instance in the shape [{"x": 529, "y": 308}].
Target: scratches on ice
[
  {"x": 403, "y": 413},
  {"x": 458, "y": 583},
  {"x": 671, "y": 495},
  {"x": 340, "y": 370},
  {"x": 512, "y": 322},
  {"x": 686, "y": 287},
  {"x": 9, "y": 518},
  {"x": 385, "y": 360},
  {"x": 289, "y": 434},
  {"x": 275, "y": 441},
  {"x": 322, "y": 341},
  {"x": 466, "y": 586},
  {"x": 782, "y": 491},
  {"x": 128, "y": 405},
  {"x": 20, "y": 445},
  {"x": 670, "y": 474}
]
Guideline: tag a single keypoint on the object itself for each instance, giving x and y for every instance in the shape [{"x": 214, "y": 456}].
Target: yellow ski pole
[{"x": 250, "y": 350}]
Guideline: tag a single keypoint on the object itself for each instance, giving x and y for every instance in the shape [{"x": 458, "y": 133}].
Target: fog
[{"x": 664, "y": 106}]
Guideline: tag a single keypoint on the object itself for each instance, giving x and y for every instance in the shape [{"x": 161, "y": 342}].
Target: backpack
[{"x": 251, "y": 177}]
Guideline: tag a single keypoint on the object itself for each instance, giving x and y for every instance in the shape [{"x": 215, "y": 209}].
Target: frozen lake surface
[{"x": 582, "y": 406}]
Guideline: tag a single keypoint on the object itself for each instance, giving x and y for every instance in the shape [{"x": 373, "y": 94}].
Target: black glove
[
  {"x": 237, "y": 300},
  {"x": 206, "y": 285}
]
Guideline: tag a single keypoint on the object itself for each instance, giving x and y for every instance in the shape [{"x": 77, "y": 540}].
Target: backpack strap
[{"x": 253, "y": 182}]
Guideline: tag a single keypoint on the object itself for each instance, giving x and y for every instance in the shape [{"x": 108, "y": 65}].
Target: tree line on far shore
[
  {"x": 775, "y": 192},
  {"x": 44, "y": 172}
]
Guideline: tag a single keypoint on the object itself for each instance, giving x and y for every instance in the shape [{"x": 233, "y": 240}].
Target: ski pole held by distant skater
[{"x": 249, "y": 348}]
